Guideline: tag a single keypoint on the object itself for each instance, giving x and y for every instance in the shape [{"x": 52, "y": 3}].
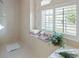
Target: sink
[{"x": 56, "y": 53}]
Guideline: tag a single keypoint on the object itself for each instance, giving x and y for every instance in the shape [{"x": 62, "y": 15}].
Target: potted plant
[{"x": 57, "y": 39}]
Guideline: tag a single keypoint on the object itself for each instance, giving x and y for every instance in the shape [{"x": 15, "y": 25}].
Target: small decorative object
[
  {"x": 57, "y": 39},
  {"x": 67, "y": 55}
]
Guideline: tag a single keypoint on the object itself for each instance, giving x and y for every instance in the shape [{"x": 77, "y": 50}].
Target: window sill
[
  {"x": 66, "y": 36},
  {"x": 71, "y": 37}
]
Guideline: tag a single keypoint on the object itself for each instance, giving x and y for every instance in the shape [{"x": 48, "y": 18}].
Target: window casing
[{"x": 63, "y": 19}]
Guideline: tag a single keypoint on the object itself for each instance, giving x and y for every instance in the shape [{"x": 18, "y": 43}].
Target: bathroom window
[
  {"x": 65, "y": 19},
  {"x": 62, "y": 19},
  {"x": 47, "y": 20}
]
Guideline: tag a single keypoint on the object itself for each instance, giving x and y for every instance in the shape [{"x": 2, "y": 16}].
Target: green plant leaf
[
  {"x": 67, "y": 55},
  {"x": 57, "y": 39}
]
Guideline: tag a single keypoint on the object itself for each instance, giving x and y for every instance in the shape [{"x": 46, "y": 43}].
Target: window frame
[{"x": 65, "y": 34}]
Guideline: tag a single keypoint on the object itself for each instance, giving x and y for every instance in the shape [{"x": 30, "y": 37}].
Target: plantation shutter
[{"x": 65, "y": 19}]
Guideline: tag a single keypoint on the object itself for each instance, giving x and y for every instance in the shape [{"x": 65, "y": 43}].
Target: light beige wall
[
  {"x": 25, "y": 20},
  {"x": 12, "y": 19}
]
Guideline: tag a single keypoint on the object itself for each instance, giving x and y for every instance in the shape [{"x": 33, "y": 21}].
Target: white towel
[{"x": 12, "y": 47}]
